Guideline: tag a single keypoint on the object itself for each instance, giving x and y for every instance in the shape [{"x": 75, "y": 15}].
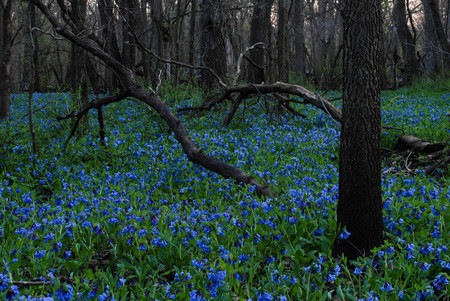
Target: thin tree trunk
[
  {"x": 5, "y": 57},
  {"x": 32, "y": 77},
  {"x": 359, "y": 208},
  {"x": 299, "y": 39},
  {"x": 192, "y": 26},
  {"x": 442, "y": 37},
  {"x": 431, "y": 61},
  {"x": 283, "y": 70},
  {"x": 158, "y": 37},
  {"x": 406, "y": 40}
]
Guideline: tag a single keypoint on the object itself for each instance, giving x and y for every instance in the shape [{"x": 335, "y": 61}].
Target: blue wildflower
[
  {"x": 264, "y": 297},
  {"x": 344, "y": 235},
  {"x": 387, "y": 287},
  {"x": 4, "y": 279},
  {"x": 39, "y": 254},
  {"x": 12, "y": 293},
  {"x": 440, "y": 282},
  {"x": 65, "y": 294}
]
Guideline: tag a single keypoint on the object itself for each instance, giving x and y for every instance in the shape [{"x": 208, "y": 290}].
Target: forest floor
[{"x": 137, "y": 220}]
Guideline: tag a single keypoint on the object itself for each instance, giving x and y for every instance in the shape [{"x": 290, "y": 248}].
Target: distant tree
[
  {"x": 359, "y": 207},
  {"x": 440, "y": 32},
  {"x": 299, "y": 66},
  {"x": 431, "y": 59},
  {"x": 6, "y": 40},
  {"x": 258, "y": 33},
  {"x": 212, "y": 44},
  {"x": 283, "y": 70},
  {"x": 407, "y": 41}
]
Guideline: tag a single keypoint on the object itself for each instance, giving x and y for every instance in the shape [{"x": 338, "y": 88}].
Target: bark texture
[
  {"x": 212, "y": 44},
  {"x": 5, "y": 57},
  {"x": 255, "y": 72},
  {"x": 406, "y": 40},
  {"x": 359, "y": 207}
]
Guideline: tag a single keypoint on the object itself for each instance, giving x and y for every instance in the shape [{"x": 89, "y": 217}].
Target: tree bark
[
  {"x": 299, "y": 67},
  {"x": 283, "y": 70},
  {"x": 442, "y": 37},
  {"x": 258, "y": 33},
  {"x": 212, "y": 44},
  {"x": 359, "y": 208},
  {"x": 158, "y": 37},
  {"x": 5, "y": 57},
  {"x": 431, "y": 60},
  {"x": 406, "y": 40},
  {"x": 192, "y": 31}
]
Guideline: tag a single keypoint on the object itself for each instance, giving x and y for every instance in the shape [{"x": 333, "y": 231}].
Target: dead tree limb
[
  {"x": 134, "y": 90},
  {"x": 279, "y": 87}
]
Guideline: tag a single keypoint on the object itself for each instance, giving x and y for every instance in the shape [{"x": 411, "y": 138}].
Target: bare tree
[{"x": 359, "y": 207}]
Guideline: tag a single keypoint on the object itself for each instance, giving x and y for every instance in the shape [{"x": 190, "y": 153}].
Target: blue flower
[
  {"x": 387, "y": 287},
  {"x": 440, "y": 282},
  {"x": 4, "y": 279},
  {"x": 12, "y": 293},
  {"x": 65, "y": 294},
  {"x": 121, "y": 282},
  {"x": 264, "y": 297},
  {"x": 196, "y": 296},
  {"x": 39, "y": 254},
  {"x": 344, "y": 235}
]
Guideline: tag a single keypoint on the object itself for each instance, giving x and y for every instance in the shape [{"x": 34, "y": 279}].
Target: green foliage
[{"x": 136, "y": 220}]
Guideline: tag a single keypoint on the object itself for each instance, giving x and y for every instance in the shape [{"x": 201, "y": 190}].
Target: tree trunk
[
  {"x": 78, "y": 74},
  {"x": 442, "y": 37},
  {"x": 5, "y": 57},
  {"x": 283, "y": 70},
  {"x": 192, "y": 26},
  {"x": 107, "y": 18},
  {"x": 158, "y": 37},
  {"x": 255, "y": 72},
  {"x": 299, "y": 39},
  {"x": 359, "y": 208},
  {"x": 431, "y": 60},
  {"x": 212, "y": 44},
  {"x": 406, "y": 40}
]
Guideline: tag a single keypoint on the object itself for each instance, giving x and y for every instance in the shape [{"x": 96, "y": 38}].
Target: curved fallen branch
[
  {"x": 250, "y": 90},
  {"x": 134, "y": 90}
]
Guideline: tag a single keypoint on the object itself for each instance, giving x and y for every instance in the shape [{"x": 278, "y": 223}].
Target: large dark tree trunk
[
  {"x": 258, "y": 33},
  {"x": 6, "y": 40},
  {"x": 212, "y": 44},
  {"x": 406, "y": 40},
  {"x": 359, "y": 207}
]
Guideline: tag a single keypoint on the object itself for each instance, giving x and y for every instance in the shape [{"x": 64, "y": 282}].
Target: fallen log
[{"x": 418, "y": 145}]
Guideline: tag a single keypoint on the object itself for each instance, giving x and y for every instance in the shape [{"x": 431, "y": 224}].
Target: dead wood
[
  {"x": 131, "y": 88},
  {"x": 245, "y": 91},
  {"x": 417, "y": 145}
]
